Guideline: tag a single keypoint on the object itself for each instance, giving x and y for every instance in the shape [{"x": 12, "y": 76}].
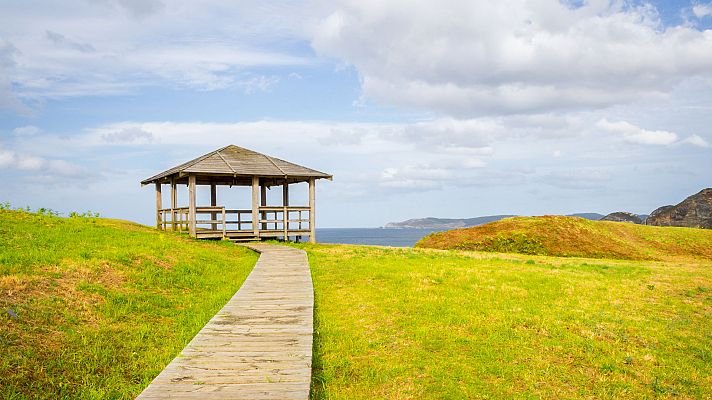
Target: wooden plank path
[{"x": 258, "y": 346}]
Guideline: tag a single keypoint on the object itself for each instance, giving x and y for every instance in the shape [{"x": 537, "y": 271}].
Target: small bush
[{"x": 87, "y": 214}]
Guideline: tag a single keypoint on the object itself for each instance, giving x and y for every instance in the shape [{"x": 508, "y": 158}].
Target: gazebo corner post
[
  {"x": 159, "y": 206},
  {"x": 191, "y": 205},
  {"x": 312, "y": 210},
  {"x": 255, "y": 206},
  {"x": 285, "y": 213},
  {"x": 174, "y": 203},
  {"x": 263, "y": 203},
  {"x": 213, "y": 203}
]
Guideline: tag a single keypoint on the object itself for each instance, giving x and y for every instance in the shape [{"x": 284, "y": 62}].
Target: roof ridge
[
  {"x": 275, "y": 164},
  {"x": 224, "y": 160},
  {"x": 291, "y": 163}
]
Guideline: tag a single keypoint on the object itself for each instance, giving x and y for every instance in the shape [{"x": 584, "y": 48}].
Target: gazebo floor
[{"x": 248, "y": 235}]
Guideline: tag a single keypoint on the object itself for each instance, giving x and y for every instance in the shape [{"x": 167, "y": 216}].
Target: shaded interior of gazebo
[{"x": 236, "y": 166}]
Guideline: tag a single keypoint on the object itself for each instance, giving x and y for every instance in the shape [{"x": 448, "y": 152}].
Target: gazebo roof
[{"x": 234, "y": 161}]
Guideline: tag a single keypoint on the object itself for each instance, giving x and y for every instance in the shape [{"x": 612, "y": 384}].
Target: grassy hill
[
  {"x": 577, "y": 237},
  {"x": 95, "y": 308},
  {"x": 428, "y": 324}
]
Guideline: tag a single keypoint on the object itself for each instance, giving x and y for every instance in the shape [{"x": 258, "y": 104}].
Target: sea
[{"x": 372, "y": 236}]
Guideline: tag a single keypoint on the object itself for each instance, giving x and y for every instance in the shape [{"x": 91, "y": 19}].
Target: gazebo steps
[{"x": 243, "y": 239}]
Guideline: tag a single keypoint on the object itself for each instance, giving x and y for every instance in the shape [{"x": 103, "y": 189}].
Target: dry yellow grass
[{"x": 578, "y": 237}]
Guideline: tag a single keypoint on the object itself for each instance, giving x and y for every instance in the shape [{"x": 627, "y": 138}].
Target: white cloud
[
  {"x": 474, "y": 58},
  {"x": 8, "y": 98},
  {"x": 578, "y": 178},
  {"x": 635, "y": 134},
  {"x": 702, "y": 10},
  {"x": 61, "y": 40},
  {"x": 128, "y": 135},
  {"x": 115, "y": 47},
  {"x": 10, "y": 159},
  {"x": 696, "y": 140},
  {"x": 258, "y": 84},
  {"x": 28, "y": 130},
  {"x": 7, "y": 158},
  {"x": 29, "y": 163}
]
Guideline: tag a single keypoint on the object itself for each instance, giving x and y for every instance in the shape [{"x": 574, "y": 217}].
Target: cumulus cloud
[
  {"x": 141, "y": 8},
  {"x": 696, "y": 140},
  {"x": 635, "y": 134},
  {"x": 63, "y": 41},
  {"x": 8, "y": 98},
  {"x": 28, "y": 130},
  {"x": 578, "y": 178},
  {"x": 258, "y": 84},
  {"x": 10, "y": 159},
  {"x": 128, "y": 135},
  {"x": 430, "y": 175},
  {"x": 702, "y": 10},
  {"x": 473, "y": 58},
  {"x": 91, "y": 49}
]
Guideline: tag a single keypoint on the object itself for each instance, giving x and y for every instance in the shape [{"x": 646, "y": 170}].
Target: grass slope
[
  {"x": 101, "y": 305},
  {"x": 417, "y": 323},
  {"x": 577, "y": 237}
]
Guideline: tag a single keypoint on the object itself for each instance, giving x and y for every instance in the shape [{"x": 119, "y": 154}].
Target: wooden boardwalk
[{"x": 258, "y": 346}]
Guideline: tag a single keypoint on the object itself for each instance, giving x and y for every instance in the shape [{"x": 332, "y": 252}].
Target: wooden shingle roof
[{"x": 237, "y": 161}]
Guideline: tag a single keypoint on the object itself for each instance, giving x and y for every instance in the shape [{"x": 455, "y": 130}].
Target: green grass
[
  {"x": 577, "y": 237},
  {"x": 428, "y": 324},
  {"x": 102, "y": 305}
]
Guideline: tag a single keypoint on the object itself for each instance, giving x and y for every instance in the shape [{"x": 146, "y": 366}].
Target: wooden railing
[{"x": 284, "y": 219}]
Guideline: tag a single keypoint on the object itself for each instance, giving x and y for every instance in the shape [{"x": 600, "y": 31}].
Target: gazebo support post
[
  {"x": 263, "y": 203},
  {"x": 213, "y": 203},
  {"x": 312, "y": 209},
  {"x": 285, "y": 213},
  {"x": 191, "y": 205},
  {"x": 174, "y": 203},
  {"x": 159, "y": 206},
  {"x": 255, "y": 206}
]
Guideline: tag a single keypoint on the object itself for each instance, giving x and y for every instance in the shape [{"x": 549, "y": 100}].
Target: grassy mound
[
  {"x": 577, "y": 237},
  {"x": 424, "y": 324},
  {"x": 95, "y": 308}
]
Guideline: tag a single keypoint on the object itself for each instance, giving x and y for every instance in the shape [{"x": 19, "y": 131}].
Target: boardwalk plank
[{"x": 258, "y": 346}]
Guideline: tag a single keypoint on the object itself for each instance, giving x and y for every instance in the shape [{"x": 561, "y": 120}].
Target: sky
[{"x": 443, "y": 108}]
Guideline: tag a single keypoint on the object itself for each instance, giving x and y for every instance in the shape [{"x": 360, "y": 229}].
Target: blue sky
[{"x": 446, "y": 109}]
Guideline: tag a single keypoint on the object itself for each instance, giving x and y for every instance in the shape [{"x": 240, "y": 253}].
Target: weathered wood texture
[{"x": 259, "y": 346}]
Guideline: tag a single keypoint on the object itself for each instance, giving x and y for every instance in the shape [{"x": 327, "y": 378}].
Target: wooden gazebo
[{"x": 236, "y": 166}]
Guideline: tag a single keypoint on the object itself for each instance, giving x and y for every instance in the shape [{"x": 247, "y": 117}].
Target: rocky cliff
[{"x": 694, "y": 212}]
